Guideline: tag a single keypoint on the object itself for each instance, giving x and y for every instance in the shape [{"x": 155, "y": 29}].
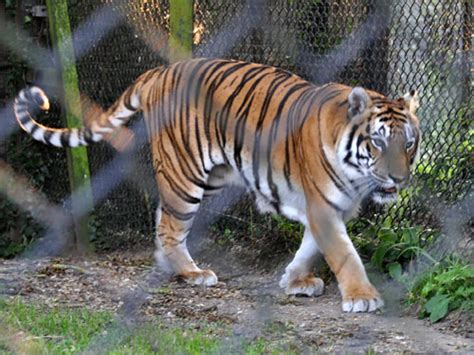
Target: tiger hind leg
[
  {"x": 299, "y": 278},
  {"x": 172, "y": 254}
]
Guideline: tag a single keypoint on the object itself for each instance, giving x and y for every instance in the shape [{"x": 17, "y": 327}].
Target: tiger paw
[
  {"x": 307, "y": 285},
  {"x": 362, "y": 305},
  {"x": 200, "y": 277},
  {"x": 362, "y": 299}
]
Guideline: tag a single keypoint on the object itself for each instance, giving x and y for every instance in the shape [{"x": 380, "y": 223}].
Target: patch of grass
[
  {"x": 27, "y": 328},
  {"x": 55, "y": 330},
  {"x": 155, "y": 339}
]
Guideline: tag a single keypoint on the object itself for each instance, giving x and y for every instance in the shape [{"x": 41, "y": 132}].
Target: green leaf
[
  {"x": 379, "y": 254},
  {"x": 395, "y": 271},
  {"x": 387, "y": 235},
  {"x": 437, "y": 307}
]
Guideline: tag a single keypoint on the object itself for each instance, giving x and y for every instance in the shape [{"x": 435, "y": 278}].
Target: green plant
[
  {"x": 291, "y": 229},
  {"x": 388, "y": 248},
  {"x": 442, "y": 287},
  {"x": 446, "y": 286},
  {"x": 17, "y": 229},
  {"x": 397, "y": 247}
]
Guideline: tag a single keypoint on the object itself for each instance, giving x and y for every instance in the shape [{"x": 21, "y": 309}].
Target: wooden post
[
  {"x": 181, "y": 30},
  {"x": 78, "y": 165}
]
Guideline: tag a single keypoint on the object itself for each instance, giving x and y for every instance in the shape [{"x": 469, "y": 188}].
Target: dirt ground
[{"x": 247, "y": 299}]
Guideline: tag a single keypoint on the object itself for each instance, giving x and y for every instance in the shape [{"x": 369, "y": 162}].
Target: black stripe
[
  {"x": 129, "y": 106},
  {"x": 307, "y": 102},
  {"x": 64, "y": 138},
  {"x": 243, "y": 112},
  {"x": 347, "y": 160},
  {"x": 222, "y": 117},
  {"x": 87, "y": 134},
  {"x": 277, "y": 81},
  {"x": 47, "y": 136},
  {"x": 343, "y": 103},
  {"x": 169, "y": 129},
  {"x": 179, "y": 191},
  {"x": 33, "y": 130},
  {"x": 208, "y": 73},
  {"x": 20, "y": 109},
  {"x": 273, "y": 135},
  {"x": 213, "y": 188},
  {"x": 25, "y": 118},
  {"x": 28, "y": 95},
  {"x": 325, "y": 162},
  {"x": 127, "y": 102},
  {"x": 38, "y": 99},
  {"x": 178, "y": 215},
  {"x": 239, "y": 134},
  {"x": 202, "y": 75},
  {"x": 351, "y": 136},
  {"x": 185, "y": 121},
  {"x": 329, "y": 202},
  {"x": 197, "y": 94},
  {"x": 197, "y": 133},
  {"x": 360, "y": 139}
]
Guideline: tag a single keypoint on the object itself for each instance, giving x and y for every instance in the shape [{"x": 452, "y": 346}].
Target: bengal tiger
[{"x": 310, "y": 153}]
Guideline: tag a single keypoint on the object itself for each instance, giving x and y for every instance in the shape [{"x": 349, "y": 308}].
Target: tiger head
[{"x": 383, "y": 142}]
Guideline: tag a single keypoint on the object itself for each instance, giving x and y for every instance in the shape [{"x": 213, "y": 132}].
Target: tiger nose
[{"x": 398, "y": 179}]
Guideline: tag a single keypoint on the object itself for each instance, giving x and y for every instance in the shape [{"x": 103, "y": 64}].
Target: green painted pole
[
  {"x": 78, "y": 165},
  {"x": 181, "y": 30}
]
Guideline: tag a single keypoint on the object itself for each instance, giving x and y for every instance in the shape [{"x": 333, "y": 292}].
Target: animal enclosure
[{"x": 390, "y": 47}]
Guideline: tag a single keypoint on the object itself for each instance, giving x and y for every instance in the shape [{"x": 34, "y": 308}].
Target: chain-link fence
[{"x": 389, "y": 47}]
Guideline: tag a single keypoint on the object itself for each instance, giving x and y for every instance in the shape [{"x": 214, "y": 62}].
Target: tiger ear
[
  {"x": 411, "y": 101},
  {"x": 359, "y": 101}
]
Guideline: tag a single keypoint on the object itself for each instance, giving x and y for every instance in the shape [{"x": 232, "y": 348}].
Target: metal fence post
[
  {"x": 181, "y": 30},
  {"x": 78, "y": 165}
]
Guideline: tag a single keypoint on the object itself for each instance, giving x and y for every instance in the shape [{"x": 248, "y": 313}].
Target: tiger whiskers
[
  {"x": 361, "y": 182},
  {"x": 367, "y": 185}
]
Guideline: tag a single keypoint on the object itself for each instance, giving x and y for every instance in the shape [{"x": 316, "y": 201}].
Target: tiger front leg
[
  {"x": 358, "y": 294},
  {"x": 299, "y": 278},
  {"x": 172, "y": 254}
]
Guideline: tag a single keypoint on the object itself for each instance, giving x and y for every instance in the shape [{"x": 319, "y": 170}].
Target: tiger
[{"x": 310, "y": 153}]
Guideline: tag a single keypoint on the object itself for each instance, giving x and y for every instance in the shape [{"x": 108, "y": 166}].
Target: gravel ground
[{"x": 248, "y": 301}]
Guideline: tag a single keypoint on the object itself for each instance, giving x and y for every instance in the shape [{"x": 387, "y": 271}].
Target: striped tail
[{"x": 117, "y": 115}]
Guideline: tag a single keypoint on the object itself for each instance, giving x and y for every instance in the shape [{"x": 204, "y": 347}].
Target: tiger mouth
[
  {"x": 392, "y": 190},
  {"x": 383, "y": 194}
]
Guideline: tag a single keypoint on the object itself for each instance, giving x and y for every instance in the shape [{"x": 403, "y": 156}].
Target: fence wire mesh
[{"x": 389, "y": 47}]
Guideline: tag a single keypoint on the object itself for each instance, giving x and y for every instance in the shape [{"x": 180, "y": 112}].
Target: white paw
[
  {"x": 362, "y": 305},
  {"x": 284, "y": 280},
  {"x": 308, "y": 286},
  {"x": 201, "y": 277}
]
